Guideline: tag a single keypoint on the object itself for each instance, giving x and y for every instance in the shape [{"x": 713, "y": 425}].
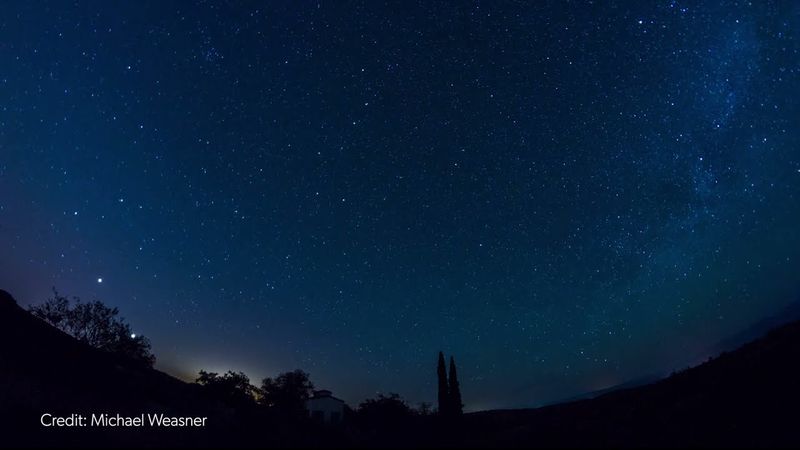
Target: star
[{"x": 379, "y": 164}]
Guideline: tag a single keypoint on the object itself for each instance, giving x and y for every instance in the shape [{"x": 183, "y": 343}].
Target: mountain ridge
[{"x": 744, "y": 397}]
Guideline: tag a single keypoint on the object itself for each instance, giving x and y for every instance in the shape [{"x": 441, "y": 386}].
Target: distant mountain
[
  {"x": 744, "y": 398},
  {"x": 636, "y": 382},
  {"x": 788, "y": 314}
]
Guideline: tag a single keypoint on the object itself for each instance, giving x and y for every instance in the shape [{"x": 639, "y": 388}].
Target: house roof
[{"x": 318, "y": 395}]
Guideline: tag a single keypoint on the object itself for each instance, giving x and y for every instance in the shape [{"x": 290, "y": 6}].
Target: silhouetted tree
[
  {"x": 384, "y": 411},
  {"x": 456, "y": 407},
  {"x": 95, "y": 324},
  {"x": 424, "y": 409},
  {"x": 287, "y": 393},
  {"x": 232, "y": 387},
  {"x": 444, "y": 392}
]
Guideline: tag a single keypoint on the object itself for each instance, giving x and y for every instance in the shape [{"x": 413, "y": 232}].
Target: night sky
[{"x": 564, "y": 196}]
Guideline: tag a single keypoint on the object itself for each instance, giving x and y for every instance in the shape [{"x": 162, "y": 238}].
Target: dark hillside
[
  {"x": 43, "y": 370},
  {"x": 747, "y": 397}
]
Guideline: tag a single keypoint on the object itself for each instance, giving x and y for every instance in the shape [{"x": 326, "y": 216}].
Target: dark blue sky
[{"x": 562, "y": 195}]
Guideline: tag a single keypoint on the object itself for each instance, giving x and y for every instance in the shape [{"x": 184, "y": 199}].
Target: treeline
[
  {"x": 285, "y": 395},
  {"x": 95, "y": 324}
]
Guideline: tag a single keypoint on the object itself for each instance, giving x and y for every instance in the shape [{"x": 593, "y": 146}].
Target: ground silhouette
[
  {"x": 746, "y": 397},
  {"x": 44, "y": 370}
]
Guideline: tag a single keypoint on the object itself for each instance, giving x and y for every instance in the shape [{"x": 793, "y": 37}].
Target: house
[{"x": 325, "y": 408}]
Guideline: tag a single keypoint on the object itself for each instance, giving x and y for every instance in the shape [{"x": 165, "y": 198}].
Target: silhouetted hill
[
  {"x": 790, "y": 313},
  {"x": 636, "y": 382},
  {"x": 43, "y": 370},
  {"x": 747, "y": 397}
]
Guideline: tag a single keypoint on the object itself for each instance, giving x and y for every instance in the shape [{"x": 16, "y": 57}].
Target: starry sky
[{"x": 562, "y": 195}]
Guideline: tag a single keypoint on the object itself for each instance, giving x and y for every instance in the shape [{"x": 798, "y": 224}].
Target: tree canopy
[
  {"x": 287, "y": 392},
  {"x": 95, "y": 324},
  {"x": 232, "y": 387}
]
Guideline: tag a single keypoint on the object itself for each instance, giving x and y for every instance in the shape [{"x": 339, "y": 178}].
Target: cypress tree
[
  {"x": 456, "y": 407},
  {"x": 444, "y": 392}
]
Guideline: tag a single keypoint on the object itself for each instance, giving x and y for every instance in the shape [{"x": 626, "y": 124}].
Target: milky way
[{"x": 562, "y": 195}]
